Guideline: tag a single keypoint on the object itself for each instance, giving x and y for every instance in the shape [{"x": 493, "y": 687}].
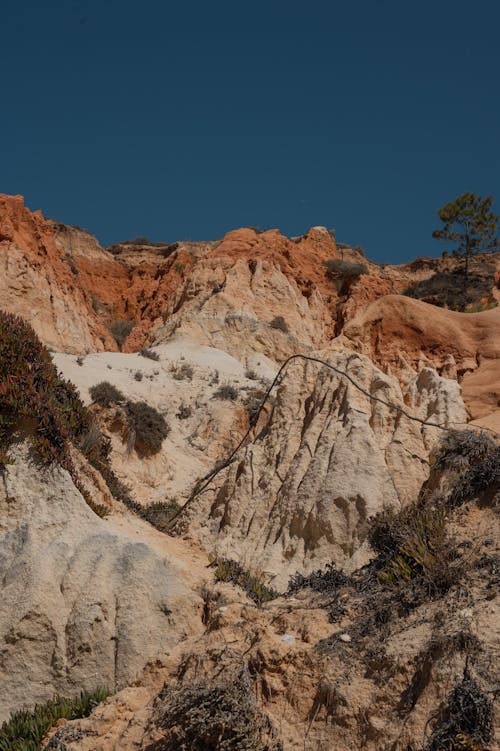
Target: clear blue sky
[{"x": 184, "y": 120}]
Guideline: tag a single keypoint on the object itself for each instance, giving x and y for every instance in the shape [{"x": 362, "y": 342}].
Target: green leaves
[{"x": 469, "y": 223}]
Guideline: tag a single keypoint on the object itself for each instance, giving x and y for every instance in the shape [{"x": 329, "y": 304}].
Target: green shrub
[
  {"x": 25, "y": 730},
  {"x": 106, "y": 394},
  {"x": 138, "y": 375},
  {"x": 413, "y": 545},
  {"x": 120, "y": 330},
  {"x": 278, "y": 322},
  {"x": 231, "y": 571},
  {"x": 34, "y": 400},
  {"x": 226, "y": 392},
  {"x": 148, "y": 425}
]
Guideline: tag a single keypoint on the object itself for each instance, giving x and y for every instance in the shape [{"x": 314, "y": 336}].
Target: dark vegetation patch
[
  {"x": 148, "y": 427},
  {"x": 446, "y": 288},
  {"x": 346, "y": 269},
  {"x": 226, "y": 392},
  {"x": 465, "y": 723},
  {"x": 231, "y": 571},
  {"x": 278, "y": 322},
  {"x": 105, "y": 394},
  {"x": 219, "y": 715},
  {"x": 159, "y": 514},
  {"x": 25, "y": 730},
  {"x": 120, "y": 331},
  {"x": 254, "y": 400},
  {"x": 184, "y": 412},
  {"x": 182, "y": 371},
  {"x": 149, "y": 353},
  {"x": 325, "y": 581},
  {"x": 475, "y": 458},
  {"x": 35, "y": 400}
]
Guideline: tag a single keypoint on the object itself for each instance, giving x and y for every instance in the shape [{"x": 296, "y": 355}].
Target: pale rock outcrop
[
  {"x": 231, "y": 304},
  {"x": 82, "y": 603},
  {"x": 327, "y": 459}
]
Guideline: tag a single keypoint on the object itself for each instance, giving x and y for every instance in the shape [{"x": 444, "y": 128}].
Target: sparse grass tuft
[
  {"x": 231, "y": 571},
  {"x": 226, "y": 392}
]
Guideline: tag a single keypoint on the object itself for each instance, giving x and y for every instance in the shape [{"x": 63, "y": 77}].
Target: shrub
[
  {"x": 226, "y": 392},
  {"x": 120, "y": 330},
  {"x": 184, "y": 412},
  {"x": 149, "y": 427},
  {"x": 231, "y": 571},
  {"x": 413, "y": 545},
  {"x": 214, "y": 715},
  {"x": 476, "y": 459},
  {"x": 34, "y": 399},
  {"x": 466, "y": 722},
  {"x": 105, "y": 394},
  {"x": 149, "y": 353},
  {"x": 326, "y": 581},
  {"x": 252, "y": 375},
  {"x": 347, "y": 269},
  {"x": 182, "y": 371},
  {"x": 25, "y": 730},
  {"x": 278, "y": 322},
  {"x": 446, "y": 288},
  {"x": 160, "y": 513},
  {"x": 138, "y": 375}
]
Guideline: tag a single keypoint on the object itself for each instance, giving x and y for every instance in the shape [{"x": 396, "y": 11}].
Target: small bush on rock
[
  {"x": 413, "y": 545},
  {"x": 350, "y": 269},
  {"x": 278, "y": 322},
  {"x": 466, "y": 722},
  {"x": 148, "y": 425},
  {"x": 120, "y": 330},
  {"x": 150, "y": 354},
  {"x": 475, "y": 457},
  {"x": 220, "y": 715},
  {"x": 106, "y": 394},
  {"x": 226, "y": 392}
]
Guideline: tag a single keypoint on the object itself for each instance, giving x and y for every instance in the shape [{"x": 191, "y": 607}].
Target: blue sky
[{"x": 182, "y": 121}]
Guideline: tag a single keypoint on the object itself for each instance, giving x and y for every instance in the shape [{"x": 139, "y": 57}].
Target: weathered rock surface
[
  {"x": 82, "y": 604},
  {"x": 327, "y": 458},
  {"x": 396, "y": 331}
]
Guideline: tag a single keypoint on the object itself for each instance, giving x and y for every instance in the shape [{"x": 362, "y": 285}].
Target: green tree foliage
[{"x": 470, "y": 225}]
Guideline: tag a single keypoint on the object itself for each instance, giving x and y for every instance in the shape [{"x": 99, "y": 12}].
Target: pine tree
[{"x": 470, "y": 224}]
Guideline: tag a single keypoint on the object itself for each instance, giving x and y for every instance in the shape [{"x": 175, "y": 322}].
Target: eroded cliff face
[
  {"x": 325, "y": 460},
  {"x": 85, "y": 602},
  {"x": 88, "y": 601},
  {"x": 37, "y": 281}
]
